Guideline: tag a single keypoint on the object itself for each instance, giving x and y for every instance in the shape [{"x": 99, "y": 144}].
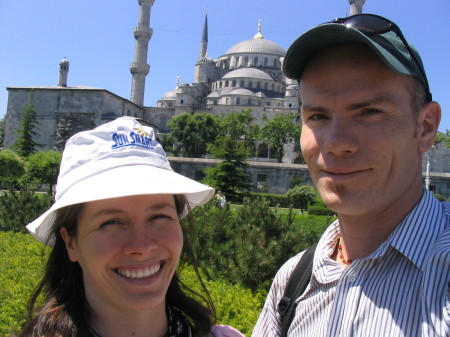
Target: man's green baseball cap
[{"x": 380, "y": 34}]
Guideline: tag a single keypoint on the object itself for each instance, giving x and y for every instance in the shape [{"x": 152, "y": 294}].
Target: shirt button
[{"x": 352, "y": 277}]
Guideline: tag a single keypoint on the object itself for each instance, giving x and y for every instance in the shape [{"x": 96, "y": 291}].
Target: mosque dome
[
  {"x": 248, "y": 73},
  {"x": 241, "y": 91},
  {"x": 170, "y": 95},
  {"x": 257, "y": 46}
]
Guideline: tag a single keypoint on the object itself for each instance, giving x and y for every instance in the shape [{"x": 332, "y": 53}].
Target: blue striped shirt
[{"x": 401, "y": 289}]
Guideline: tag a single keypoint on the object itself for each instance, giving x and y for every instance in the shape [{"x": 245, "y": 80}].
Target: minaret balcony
[
  {"x": 139, "y": 68},
  {"x": 143, "y": 32}
]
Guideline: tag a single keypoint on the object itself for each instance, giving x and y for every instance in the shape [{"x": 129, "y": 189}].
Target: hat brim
[
  {"x": 386, "y": 46},
  {"x": 121, "y": 182}
]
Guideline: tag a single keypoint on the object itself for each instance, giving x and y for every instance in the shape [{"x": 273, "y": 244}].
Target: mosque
[{"x": 248, "y": 75}]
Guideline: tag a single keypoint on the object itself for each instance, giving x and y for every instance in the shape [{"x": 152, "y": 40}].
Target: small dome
[
  {"x": 184, "y": 84},
  {"x": 170, "y": 95},
  {"x": 257, "y": 46},
  {"x": 248, "y": 73},
  {"x": 206, "y": 60},
  {"x": 64, "y": 61}
]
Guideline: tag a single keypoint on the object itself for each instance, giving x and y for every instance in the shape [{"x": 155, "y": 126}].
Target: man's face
[{"x": 359, "y": 135}]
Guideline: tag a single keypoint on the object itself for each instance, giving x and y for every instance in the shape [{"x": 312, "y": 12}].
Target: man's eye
[
  {"x": 371, "y": 111},
  {"x": 317, "y": 117}
]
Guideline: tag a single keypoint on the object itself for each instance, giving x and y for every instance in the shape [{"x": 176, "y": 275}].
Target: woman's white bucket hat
[{"x": 117, "y": 159}]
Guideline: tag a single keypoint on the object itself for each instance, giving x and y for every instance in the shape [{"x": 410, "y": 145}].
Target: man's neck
[{"x": 363, "y": 234}]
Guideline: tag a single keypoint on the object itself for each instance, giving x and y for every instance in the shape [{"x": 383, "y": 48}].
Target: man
[{"x": 383, "y": 268}]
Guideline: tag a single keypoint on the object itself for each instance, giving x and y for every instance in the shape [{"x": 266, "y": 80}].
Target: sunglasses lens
[{"x": 368, "y": 24}]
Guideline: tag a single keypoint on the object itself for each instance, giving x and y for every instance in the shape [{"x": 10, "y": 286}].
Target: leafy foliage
[
  {"x": 24, "y": 144},
  {"x": 12, "y": 167},
  {"x": 279, "y": 131},
  {"x": 249, "y": 246},
  {"x": 301, "y": 195},
  {"x": 43, "y": 167},
  {"x": 443, "y": 138},
  {"x": 234, "y": 145},
  {"x": 190, "y": 134}
]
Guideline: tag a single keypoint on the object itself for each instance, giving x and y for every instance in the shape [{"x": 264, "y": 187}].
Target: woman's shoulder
[{"x": 225, "y": 331}]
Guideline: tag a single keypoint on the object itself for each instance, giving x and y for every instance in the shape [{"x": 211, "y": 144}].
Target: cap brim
[
  {"x": 328, "y": 35},
  {"x": 120, "y": 182}
]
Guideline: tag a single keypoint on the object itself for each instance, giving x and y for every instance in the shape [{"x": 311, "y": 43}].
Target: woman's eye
[{"x": 111, "y": 222}]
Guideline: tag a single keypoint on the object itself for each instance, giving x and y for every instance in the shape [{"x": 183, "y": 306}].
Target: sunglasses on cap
[{"x": 370, "y": 24}]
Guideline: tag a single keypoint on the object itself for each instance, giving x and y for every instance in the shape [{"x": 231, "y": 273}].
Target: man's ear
[
  {"x": 70, "y": 244},
  {"x": 428, "y": 123}
]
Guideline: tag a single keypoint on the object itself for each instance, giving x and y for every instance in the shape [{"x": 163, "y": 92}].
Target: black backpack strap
[{"x": 296, "y": 285}]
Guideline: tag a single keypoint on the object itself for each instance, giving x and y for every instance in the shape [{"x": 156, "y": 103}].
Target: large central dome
[{"x": 259, "y": 46}]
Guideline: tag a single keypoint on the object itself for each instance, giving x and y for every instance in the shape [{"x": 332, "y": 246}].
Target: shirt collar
[{"x": 414, "y": 236}]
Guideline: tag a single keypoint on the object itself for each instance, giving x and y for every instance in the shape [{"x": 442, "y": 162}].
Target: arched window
[
  {"x": 275, "y": 63},
  {"x": 262, "y": 151},
  {"x": 250, "y": 84},
  {"x": 258, "y": 85},
  {"x": 256, "y": 61},
  {"x": 249, "y": 101},
  {"x": 238, "y": 100},
  {"x": 273, "y": 87},
  {"x": 226, "y": 83},
  {"x": 246, "y": 61},
  {"x": 266, "y": 85},
  {"x": 233, "y": 83},
  {"x": 242, "y": 84},
  {"x": 266, "y": 61}
]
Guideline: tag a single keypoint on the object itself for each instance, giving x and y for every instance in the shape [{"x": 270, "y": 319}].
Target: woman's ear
[
  {"x": 70, "y": 244},
  {"x": 428, "y": 122}
]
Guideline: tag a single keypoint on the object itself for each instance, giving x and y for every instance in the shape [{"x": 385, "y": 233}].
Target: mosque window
[
  {"x": 290, "y": 105},
  {"x": 249, "y": 101},
  {"x": 256, "y": 60},
  {"x": 266, "y": 61},
  {"x": 246, "y": 61},
  {"x": 181, "y": 101},
  {"x": 238, "y": 100},
  {"x": 275, "y": 63},
  {"x": 266, "y": 85},
  {"x": 242, "y": 84},
  {"x": 226, "y": 83},
  {"x": 250, "y": 84},
  {"x": 268, "y": 103},
  {"x": 262, "y": 151},
  {"x": 258, "y": 85},
  {"x": 233, "y": 84},
  {"x": 273, "y": 87},
  {"x": 220, "y": 84}
]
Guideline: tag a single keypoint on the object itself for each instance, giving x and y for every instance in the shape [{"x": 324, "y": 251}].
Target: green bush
[
  {"x": 248, "y": 246},
  {"x": 275, "y": 200},
  {"x": 235, "y": 305}
]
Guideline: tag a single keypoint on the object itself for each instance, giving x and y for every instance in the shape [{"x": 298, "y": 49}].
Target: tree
[
  {"x": 12, "y": 167},
  {"x": 279, "y": 131},
  {"x": 443, "y": 138},
  {"x": 43, "y": 167},
  {"x": 191, "y": 133},
  {"x": 25, "y": 145},
  {"x": 2, "y": 132},
  {"x": 234, "y": 144},
  {"x": 301, "y": 195}
]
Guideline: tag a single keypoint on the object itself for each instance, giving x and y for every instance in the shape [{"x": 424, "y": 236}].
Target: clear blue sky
[{"x": 97, "y": 38}]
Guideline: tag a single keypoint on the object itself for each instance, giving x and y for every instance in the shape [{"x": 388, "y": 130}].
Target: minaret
[
  {"x": 356, "y": 6},
  {"x": 139, "y": 68},
  {"x": 204, "y": 42},
  {"x": 63, "y": 72}
]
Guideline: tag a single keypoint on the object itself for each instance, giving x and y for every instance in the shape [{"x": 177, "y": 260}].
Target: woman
[{"x": 117, "y": 239}]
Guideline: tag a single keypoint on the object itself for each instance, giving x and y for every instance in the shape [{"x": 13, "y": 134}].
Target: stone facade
[{"x": 63, "y": 111}]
